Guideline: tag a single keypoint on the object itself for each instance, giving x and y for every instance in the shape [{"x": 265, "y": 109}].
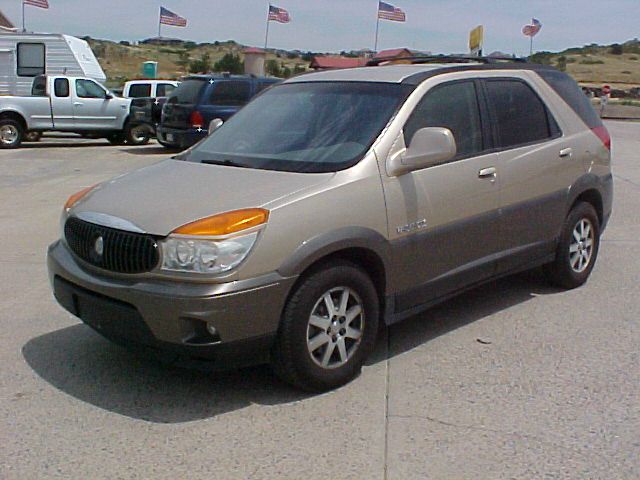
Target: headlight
[
  {"x": 213, "y": 245},
  {"x": 183, "y": 254}
]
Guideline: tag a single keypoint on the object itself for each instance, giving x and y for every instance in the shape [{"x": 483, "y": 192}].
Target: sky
[{"x": 438, "y": 26}]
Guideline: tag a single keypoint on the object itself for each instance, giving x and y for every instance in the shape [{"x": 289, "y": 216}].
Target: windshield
[
  {"x": 187, "y": 92},
  {"x": 304, "y": 127}
]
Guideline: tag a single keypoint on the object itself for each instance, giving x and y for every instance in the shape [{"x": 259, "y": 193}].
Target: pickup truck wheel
[
  {"x": 11, "y": 133},
  {"x": 137, "y": 134},
  {"x": 328, "y": 328},
  {"x": 577, "y": 248},
  {"x": 32, "y": 136}
]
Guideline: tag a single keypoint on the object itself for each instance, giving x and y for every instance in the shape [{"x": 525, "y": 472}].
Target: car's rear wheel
[
  {"x": 11, "y": 133},
  {"x": 328, "y": 328},
  {"x": 137, "y": 134},
  {"x": 32, "y": 136},
  {"x": 577, "y": 249}
]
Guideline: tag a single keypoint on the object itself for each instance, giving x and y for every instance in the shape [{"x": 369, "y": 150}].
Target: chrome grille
[{"x": 118, "y": 251}]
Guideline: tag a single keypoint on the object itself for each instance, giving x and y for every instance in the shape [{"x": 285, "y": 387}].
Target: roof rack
[{"x": 418, "y": 59}]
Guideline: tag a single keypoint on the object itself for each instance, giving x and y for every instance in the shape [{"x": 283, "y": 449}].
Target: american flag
[
  {"x": 167, "y": 17},
  {"x": 533, "y": 29},
  {"x": 278, "y": 14},
  {"x": 37, "y": 3},
  {"x": 386, "y": 11}
]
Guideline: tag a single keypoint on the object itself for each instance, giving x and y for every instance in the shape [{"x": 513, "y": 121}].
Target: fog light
[{"x": 212, "y": 330}]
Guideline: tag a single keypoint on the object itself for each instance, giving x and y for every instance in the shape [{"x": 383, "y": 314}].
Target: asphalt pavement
[{"x": 512, "y": 380}]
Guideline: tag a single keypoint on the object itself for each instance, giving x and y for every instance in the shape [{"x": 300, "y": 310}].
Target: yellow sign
[{"x": 476, "y": 36}]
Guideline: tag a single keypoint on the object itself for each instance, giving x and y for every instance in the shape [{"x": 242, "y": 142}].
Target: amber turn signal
[
  {"x": 73, "y": 199},
  {"x": 225, "y": 223}
]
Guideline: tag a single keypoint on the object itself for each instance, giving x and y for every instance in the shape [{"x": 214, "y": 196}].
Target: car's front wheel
[
  {"x": 137, "y": 134},
  {"x": 577, "y": 249},
  {"x": 328, "y": 328}
]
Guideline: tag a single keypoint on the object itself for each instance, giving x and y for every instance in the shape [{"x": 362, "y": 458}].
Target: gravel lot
[{"x": 513, "y": 380}]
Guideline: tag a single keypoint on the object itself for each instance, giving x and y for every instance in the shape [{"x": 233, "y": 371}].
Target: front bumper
[
  {"x": 179, "y": 138},
  {"x": 170, "y": 315}
]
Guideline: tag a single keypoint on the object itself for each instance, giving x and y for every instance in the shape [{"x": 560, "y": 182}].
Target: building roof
[
  {"x": 333, "y": 62},
  {"x": 5, "y": 23},
  {"x": 254, "y": 50},
  {"x": 394, "y": 52}
]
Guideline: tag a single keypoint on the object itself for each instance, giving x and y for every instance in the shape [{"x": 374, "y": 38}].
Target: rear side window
[
  {"x": 568, "y": 89},
  {"x": 453, "y": 106},
  {"x": 31, "y": 59},
  {"x": 520, "y": 117},
  {"x": 164, "y": 89},
  {"x": 188, "y": 92},
  {"x": 61, "y": 87},
  {"x": 138, "y": 90},
  {"x": 230, "y": 93}
]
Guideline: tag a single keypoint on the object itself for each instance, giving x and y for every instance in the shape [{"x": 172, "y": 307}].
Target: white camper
[{"x": 23, "y": 56}]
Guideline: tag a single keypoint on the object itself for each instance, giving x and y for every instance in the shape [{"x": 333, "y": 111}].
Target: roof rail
[{"x": 418, "y": 59}]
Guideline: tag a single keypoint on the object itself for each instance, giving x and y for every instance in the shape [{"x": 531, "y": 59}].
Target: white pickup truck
[{"x": 67, "y": 104}]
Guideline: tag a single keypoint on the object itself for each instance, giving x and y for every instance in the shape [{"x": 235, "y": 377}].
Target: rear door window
[
  {"x": 230, "y": 92},
  {"x": 453, "y": 106},
  {"x": 164, "y": 89},
  {"x": 138, "y": 90},
  {"x": 61, "y": 87},
  {"x": 188, "y": 92},
  {"x": 519, "y": 115}
]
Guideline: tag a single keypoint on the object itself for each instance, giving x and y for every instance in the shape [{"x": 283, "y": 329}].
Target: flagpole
[
  {"x": 531, "y": 46},
  {"x": 266, "y": 36},
  {"x": 23, "y": 29},
  {"x": 159, "y": 22},
  {"x": 375, "y": 48}
]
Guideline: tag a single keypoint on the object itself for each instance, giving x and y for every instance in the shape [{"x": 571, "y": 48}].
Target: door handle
[
  {"x": 565, "y": 152},
  {"x": 489, "y": 172},
  {"x": 78, "y": 104}
]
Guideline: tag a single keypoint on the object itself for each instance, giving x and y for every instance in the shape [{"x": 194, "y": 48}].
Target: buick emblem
[{"x": 98, "y": 246}]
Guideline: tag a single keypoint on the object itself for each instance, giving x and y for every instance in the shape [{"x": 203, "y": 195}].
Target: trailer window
[{"x": 31, "y": 59}]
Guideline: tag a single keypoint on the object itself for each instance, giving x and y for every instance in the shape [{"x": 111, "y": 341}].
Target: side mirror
[
  {"x": 215, "y": 124},
  {"x": 429, "y": 146},
  {"x": 108, "y": 96}
]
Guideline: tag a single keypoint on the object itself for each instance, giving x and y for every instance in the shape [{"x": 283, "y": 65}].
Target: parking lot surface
[{"x": 512, "y": 380}]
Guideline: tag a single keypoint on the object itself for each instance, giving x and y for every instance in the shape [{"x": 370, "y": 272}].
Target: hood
[{"x": 162, "y": 197}]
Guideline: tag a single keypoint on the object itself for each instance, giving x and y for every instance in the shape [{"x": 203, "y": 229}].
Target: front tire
[
  {"x": 328, "y": 328},
  {"x": 577, "y": 249},
  {"x": 11, "y": 133}
]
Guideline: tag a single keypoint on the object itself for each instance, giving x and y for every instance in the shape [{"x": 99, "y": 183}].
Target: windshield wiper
[{"x": 226, "y": 162}]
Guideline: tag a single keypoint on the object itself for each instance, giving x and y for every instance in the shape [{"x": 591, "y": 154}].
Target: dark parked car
[
  {"x": 202, "y": 98},
  {"x": 146, "y": 112}
]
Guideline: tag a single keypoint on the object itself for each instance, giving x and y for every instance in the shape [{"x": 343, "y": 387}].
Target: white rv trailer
[{"x": 23, "y": 56}]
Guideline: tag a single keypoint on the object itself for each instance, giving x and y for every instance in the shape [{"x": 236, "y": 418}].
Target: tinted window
[
  {"x": 453, "y": 106},
  {"x": 230, "y": 93},
  {"x": 61, "y": 87},
  {"x": 138, "y": 90},
  {"x": 187, "y": 92},
  {"x": 263, "y": 86},
  {"x": 568, "y": 89},
  {"x": 520, "y": 116},
  {"x": 89, "y": 89},
  {"x": 39, "y": 87},
  {"x": 164, "y": 89},
  {"x": 31, "y": 59}
]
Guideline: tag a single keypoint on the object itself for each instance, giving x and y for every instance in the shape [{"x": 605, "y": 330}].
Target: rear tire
[
  {"x": 116, "y": 139},
  {"x": 32, "y": 136},
  {"x": 328, "y": 328},
  {"x": 137, "y": 134},
  {"x": 11, "y": 133},
  {"x": 577, "y": 249}
]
